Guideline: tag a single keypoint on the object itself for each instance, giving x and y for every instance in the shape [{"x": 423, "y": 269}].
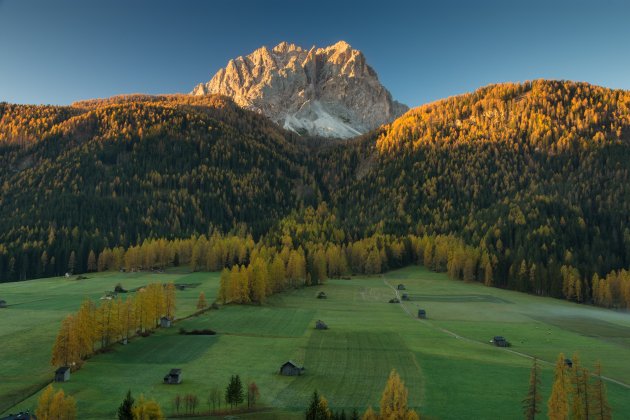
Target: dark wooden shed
[
  {"x": 405, "y": 296},
  {"x": 401, "y": 287},
  {"x": 62, "y": 374},
  {"x": 291, "y": 368},
  {"x": 165, "y": 322},
  {"x": 320, "y": 325},
  {"x": 422, "y": 314},
  {"x": 500, "y": 341},
  {"x": 322, "y": 295},
  {"x": 3, "y": 303},
  {"x": 568, "y": 363},
  {"x": 174, "y": 377}
]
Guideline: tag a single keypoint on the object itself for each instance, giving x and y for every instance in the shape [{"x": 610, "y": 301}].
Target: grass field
[{"x": 448, "y": 365}]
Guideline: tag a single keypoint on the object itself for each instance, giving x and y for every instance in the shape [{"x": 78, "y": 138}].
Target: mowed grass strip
[{"x": 351, "y": 368}]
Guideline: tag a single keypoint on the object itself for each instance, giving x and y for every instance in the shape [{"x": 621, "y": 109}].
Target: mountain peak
[{"x": 330, "y": 91}]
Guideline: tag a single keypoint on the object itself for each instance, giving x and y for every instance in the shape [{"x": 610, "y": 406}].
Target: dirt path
[{"x": 470, "y": 340}]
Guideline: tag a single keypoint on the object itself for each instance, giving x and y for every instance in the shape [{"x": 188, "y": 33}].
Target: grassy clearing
[{"x": 447, "y": 377}]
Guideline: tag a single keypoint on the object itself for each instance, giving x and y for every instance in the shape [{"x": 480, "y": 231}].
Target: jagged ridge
[{"x": 329, "y": 92}]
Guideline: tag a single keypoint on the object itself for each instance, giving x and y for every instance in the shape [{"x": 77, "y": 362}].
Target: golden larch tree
[{"x": 558, "y": 404}]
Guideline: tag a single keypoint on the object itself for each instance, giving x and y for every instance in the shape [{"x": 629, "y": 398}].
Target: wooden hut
[
  {"x": 500, "y": 341},
  {"x": 320, "y": 325},
  {"x": 165, "y": 322},
  {"x": 3, "y": 303},
  {"x": 405, "y": 296},
  {"x": 568, "y": 363},
  {"x": 321, "y": 295},
  {"x": 401, "y": 287},
  {"x": 291, "y": 368},
  {"x": 62, "y": 374},
  {"x": 422, "y": 314},
  {"x": 174, "y": 377}
]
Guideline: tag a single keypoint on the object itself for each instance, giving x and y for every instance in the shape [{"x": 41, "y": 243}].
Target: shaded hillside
[
  {"x": 110, "y": 172},
  {"x": 534, "y": 176}
]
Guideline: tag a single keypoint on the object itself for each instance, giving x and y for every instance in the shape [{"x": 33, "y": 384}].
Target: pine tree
[
  {"x": 558, "y": 404},
  {"x": 531, "y": 403},
  {"x": 318, "y": 408},
  {"x": 125, "y": 410},
  {"x": 234, "y": 391},
  {"x": 600, "y": 408}
]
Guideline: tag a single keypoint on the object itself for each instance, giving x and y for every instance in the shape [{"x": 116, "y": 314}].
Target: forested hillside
[
  {"x": 524, "y": 186},
  {"x": 113, "y": 172},
  {"x": 534, "y": 176}
]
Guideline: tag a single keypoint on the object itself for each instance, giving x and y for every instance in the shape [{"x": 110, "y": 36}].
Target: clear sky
[{"x": 59, "y": 51}]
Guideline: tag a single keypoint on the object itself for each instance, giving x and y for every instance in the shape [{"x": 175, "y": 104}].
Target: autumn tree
[
  {"x": 201, "y": 302},
  {"x": 147, "y": 410},
  {"x": 558, "y": 404},
  {"x": 253, "y": 393},
  {"x": 532, "y": 402},
  {"x": 394, "y": 400},
  {"x": 600, "y": 408},
  {"x": 66, "y": 350},
  {"x": 53, "y": 406},
  {"x": 318, "y": 408}
]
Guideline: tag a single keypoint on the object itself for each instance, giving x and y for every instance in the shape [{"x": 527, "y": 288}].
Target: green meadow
[{"x": 446, "y": 361}]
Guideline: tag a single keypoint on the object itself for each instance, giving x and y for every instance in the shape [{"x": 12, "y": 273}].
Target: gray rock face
[{"x": 329, "y": 92}]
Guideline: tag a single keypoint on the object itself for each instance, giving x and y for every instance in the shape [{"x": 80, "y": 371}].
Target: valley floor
[{"x": 446, "y": 361}]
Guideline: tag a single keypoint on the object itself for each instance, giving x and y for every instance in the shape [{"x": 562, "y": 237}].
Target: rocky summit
[{"x": 329, "y": 92}]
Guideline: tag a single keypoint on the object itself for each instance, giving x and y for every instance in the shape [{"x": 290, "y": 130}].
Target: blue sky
[{"x": 59, "y": 51}]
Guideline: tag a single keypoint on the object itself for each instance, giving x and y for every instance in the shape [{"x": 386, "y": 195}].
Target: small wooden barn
[
  {"x": 321, "y": 295},
  {"x": 394, "y": 300},
  {"x": 568, "y": 363},
  {"x": 320, "y": 325},
  {"x": 3, "y": 303},
  {"x": 401, "y": 287},
  {"x": 405, "y": 296},
  {"x": 291, "y": 368},
  {"x": 500, "y": 341},
  {"x": 174, "y": 377},
  {"x": 165, "y": 322},
  {"x": 422, "y": 314},
  {"x": 62, "y": 374}
]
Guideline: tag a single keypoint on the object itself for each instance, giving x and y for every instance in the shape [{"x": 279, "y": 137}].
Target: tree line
[
  {"x": 96, "y": 327},
  {"x": 575, "y": 392}
]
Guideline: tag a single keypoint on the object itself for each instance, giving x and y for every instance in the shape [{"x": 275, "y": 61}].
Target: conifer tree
[
  {"x": 125, "y": 410},
  {"x": 600, "y": 408},
  {"x": 531, "y": 403},
  {"x": 558, "y": 404}
]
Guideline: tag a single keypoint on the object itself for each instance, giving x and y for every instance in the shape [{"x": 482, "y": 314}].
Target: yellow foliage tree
[
  {"x": 394, "y": 400},
  {"x": 147, "y": 410},
  {"x": 201, "y": 302},
  {"x": 66, "y": 350},
  {"x": 55, "y": 406},
  {"x": 558, "y": 404}
]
